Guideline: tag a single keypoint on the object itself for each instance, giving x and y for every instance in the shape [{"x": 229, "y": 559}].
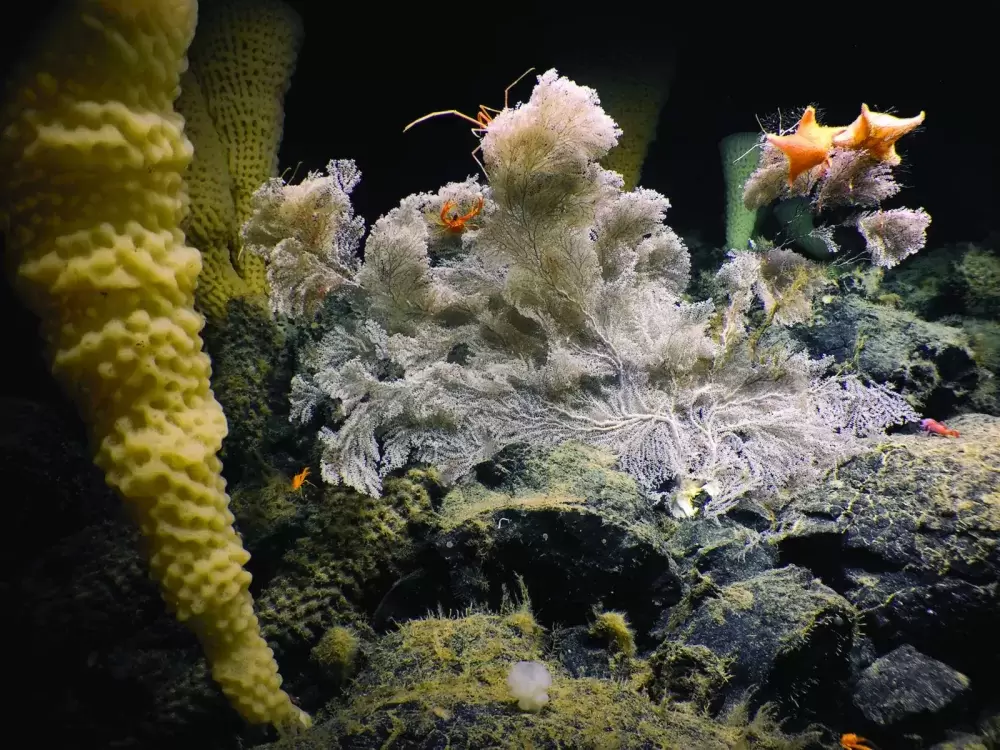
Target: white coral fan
[
  {"x": 308, "y": 234},
  {"x": 563, "y": 122},
  {"x": 894, "y": 234}
]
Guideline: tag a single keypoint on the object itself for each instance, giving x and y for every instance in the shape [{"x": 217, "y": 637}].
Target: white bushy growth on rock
[
  {"x": 557, "y": 312},
  {"x": 308, "y": 234}
]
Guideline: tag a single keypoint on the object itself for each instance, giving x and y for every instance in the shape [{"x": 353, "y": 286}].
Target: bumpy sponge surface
[
  {"x": 92, "y": 155},
  {"x": 211, "y": 223},
  {"x": 243, "y": 60}
]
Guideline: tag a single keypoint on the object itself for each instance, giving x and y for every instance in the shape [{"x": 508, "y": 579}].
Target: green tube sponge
[{"x": 739, "y": 159}]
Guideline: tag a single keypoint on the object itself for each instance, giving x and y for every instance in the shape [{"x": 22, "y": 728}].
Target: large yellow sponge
[{"x": 92, "y": 155}]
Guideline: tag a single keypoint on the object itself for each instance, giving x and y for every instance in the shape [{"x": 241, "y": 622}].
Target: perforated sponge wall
[
  {"x": 243, "y": 60},
  {"x": 92, "y": 154},
  {"x": 211, "y": 223}
]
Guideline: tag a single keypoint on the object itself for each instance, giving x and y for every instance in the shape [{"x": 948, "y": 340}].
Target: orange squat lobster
[
  {"x": 454, "y": 222},
  {"x": 482, "y": 119}
]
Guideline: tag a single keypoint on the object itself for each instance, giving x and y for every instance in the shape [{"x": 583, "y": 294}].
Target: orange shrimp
[
  {"x": 300, "y": 479},
  {"x": 482, "y": 120},
  {"x": 933, "y": 427}
]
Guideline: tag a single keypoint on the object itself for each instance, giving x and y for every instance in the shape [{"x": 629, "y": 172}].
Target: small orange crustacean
[
  {"x": 482, "y": 119},
  {"x": 300, "y": 479},
  {"x": 455, "y": 222},
  {"x": 851, "y": 741}
]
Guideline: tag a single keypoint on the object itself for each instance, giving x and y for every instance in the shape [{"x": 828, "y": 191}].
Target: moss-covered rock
[
  {"x": 926, "y": 283},
  {"x": 979, "y": 271},
  {"x": 581, "y": 534},
  {"x": 688, "y": 674},
  {"x": 249, "y": 378},
  {"x": 960, "y": 279},
  {"x": 615, "y": 629},
  {"x": 910, "y": 535},
  {"x": 782, "y": 633},
  {"x": 442, "y": 682},
  {"x": 350, "y": 549},
  {"x": 337, "y": 652},
  {"x": 930, "y": 363},
  {"x": 985, "y": 338},
  {"x": 909, "y": 691}
]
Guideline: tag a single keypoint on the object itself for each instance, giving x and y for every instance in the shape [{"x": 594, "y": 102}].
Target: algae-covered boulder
[
  {"x": 347, "y": 551},
  {"x": 580, "y": 534},
  {"x": 442, "y": 682},
  {"x": 905, "y": 688},
  {"x": 930, "y": 363},
  {"x": 782, "y": 634},
  {"x": 910, "y": 535}
]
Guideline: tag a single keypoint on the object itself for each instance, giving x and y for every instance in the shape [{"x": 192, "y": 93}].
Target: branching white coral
[
  {"x": 895, "y": 234},
  {"x": 562, "y": 125},
  {"x": 308, "y": 234}
]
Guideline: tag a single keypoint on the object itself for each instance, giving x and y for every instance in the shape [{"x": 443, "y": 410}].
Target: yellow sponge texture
[
  {"x": 92, "y": 155},
  {"x": 211, "y": 224},
  {"x": 634, "y": 88},
  {"x": 635, "y": 103},
  {"x": 242, "y": 59}
]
